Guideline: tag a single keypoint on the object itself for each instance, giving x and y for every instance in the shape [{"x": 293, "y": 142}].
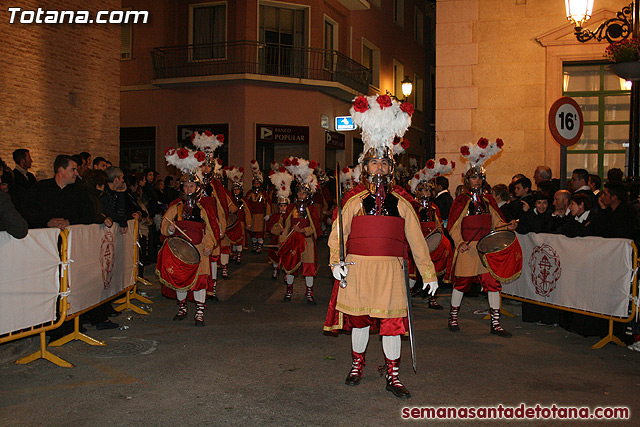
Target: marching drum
[
  {"x": 178, "y": 262},
  {"x": 231, "y": 221},
  {"x": 501, "y": 254},
  {"x": 440, "y": 251}
]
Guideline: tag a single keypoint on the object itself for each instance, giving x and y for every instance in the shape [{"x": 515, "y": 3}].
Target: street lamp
[
  {"x": 625, "y": 24},
  {"x": 407, "y": 87}
]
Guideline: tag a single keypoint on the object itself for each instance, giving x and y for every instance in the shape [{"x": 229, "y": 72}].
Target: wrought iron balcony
[{"x": 250, "y": 57}]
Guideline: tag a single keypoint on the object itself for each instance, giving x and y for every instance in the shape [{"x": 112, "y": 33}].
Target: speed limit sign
[{"x": 565, "y": 121}]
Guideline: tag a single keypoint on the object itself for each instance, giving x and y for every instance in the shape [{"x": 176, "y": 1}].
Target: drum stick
[
  {"x": 179, "y": 229},
  {"x": 503, "y": 226}
]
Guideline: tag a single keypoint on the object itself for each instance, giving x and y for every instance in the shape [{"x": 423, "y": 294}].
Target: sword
[
  {"x": 405, "y": 266},
  {"x": 342, "y": 263}
]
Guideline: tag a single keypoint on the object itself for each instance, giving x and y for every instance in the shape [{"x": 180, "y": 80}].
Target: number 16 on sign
[{"x": 565, "y": 121}]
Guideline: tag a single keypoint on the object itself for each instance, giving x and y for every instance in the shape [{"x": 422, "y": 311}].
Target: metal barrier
[
  {"x": 611, "y": 319},
  {"x": 64, "y": 306}
]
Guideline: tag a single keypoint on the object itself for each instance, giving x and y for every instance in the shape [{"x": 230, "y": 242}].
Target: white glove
[
  {"x": 266, "y": 217},
  {"x": 433, "y": 287},
  {"x": 340, "y": 271}
]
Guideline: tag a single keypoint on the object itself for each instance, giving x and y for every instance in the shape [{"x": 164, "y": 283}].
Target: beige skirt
[{"x": 375, "y": 287}]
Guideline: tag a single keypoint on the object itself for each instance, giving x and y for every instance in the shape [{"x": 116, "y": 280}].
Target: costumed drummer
[
  {"x": 378, "y": 221},
  {"x": 422, "y": 187},
  {"x": 474, "y": 214},
  {"x": 298, "y": 251},
  {"x": 197, "y": 221},
  {"x": 236, "y": 229},
  {"x": 210, "y": 174},
  {"x": 281, "y": 180},
  {"x": 260, "y": 206}
]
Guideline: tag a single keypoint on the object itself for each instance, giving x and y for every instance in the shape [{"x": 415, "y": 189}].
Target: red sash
[
  {"x": 475, "y": 227},
  {"x": 373, "y": 235}
]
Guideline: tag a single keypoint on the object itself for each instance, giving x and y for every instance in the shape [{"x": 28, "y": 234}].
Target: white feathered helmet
[
  {"x": 208, "y": 143},
  {"x": 431, "y": 170},
  {"x": 477, "y": 154},
  {"x": 281, "y": 180},
  {"x": 302, "y": 170},
  {"x": 187, "y": 161},
  {"x": 234, "y": 175},
  {"x": 381, "y": 119},
  {"x": 255, "y": 170}
]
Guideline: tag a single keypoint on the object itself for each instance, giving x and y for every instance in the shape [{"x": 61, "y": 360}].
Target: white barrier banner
[
  {"x": 30, "y": 279},
  {"x": 102, "y": 263},
  {"x": 585, "y": 273}
]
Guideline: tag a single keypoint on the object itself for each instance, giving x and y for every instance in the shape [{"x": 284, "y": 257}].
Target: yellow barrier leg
[
  {"x": 144, "y": 281},
  {"x": 128, "y": 305},
  {"x": 44, "y": 354},
  {"x": 76, "y": 335},
  {"x": 609, "y": 338}
]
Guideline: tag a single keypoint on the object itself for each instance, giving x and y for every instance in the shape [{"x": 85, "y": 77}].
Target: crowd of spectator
[{"x": 82, "y": 194}]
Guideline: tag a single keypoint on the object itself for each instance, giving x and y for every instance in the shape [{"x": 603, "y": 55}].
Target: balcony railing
[{"x": 249, "y": 57}]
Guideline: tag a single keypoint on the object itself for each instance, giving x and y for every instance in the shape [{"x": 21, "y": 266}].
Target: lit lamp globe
[
  {"x": 407, "y": 87},
  {"x": 578, "y": 11}
]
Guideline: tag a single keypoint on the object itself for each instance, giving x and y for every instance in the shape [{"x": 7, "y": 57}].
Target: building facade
[
  {"x": 272, "y": 76},
  {"x": 501, "y": 64},
  {"x": 59, "y": 85}
]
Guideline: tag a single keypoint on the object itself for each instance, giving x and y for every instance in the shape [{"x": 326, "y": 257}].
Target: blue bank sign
[{"x": 344, "y": 123}]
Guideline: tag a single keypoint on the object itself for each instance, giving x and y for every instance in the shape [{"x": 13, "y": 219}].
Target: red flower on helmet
[
  {"x": 405, "y": 143},
  {"x": 241, "y": 170},
  {"x": 361, "y": 104},
  {"x": 417, "y": 176},
  {"x": 193, "y": 135},
  {"x": 345, "y": 170},
  {"x": 284, "y": 187},
  {"x": 200, "y": 156},
  {"x": 483, "y": 142},
  {"x": 170, "y": 151},
  {"x": 384, "y": 101},
  {"x": 396, "y": 140},
  {"x": 208, "y": 133},
  {"x": 313, "y": 164},
  {"x": 295, "y": 162},
  {"x": 254, "y": 161},
  {"x": 220, "y": 137},
  {"x": 281, "y": 169},
  {"x": 431, "y": 164},
  {"x": 453, "y": 164},
  {"x": 183, "y": 153},
  {"x": 443, "y": 161},
  {"x": 481, "y": 156},
  {"x": 226, "y": 168},
  {"x": 499, "y": 142},
  {"x": 287, "y": 162},
  {"x": 274, "y": 162},
  {"x": 271, "y": 172},
  {"x": 464, "y": 150},
  {"x": 407, "y": 108},
  {"x": 219, "y": 161}
]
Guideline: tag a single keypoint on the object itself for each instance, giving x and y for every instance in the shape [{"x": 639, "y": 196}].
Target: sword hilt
[{"x": 343, "y": 282}]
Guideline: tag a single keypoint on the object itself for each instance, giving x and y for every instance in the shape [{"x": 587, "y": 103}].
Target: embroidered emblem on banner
[
  {"x": 545, "y": 269},
  {"x": 107, "y": 252}
]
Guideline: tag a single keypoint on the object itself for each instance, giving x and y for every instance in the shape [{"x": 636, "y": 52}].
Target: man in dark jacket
[
  {"x": 616, "y": 217},
  {"x": 23, "y": 180},
  {"x": 443, "y": 199},
  {"x": 58, "y": 201},
  {"x": 10, "y": 220}
]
